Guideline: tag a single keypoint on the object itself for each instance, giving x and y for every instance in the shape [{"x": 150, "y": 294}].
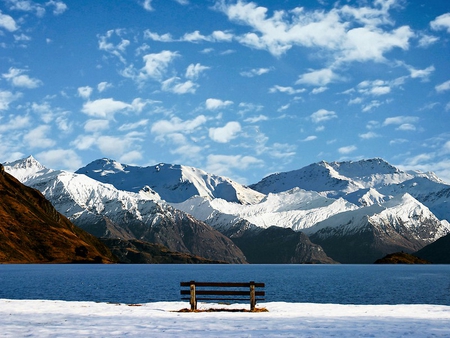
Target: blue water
[{"x": 341, "y": 284}]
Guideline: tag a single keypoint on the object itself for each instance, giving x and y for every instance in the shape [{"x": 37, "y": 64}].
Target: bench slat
[
  {"x": 223, "y": 292},
  {"x": 224, "y": 285}
]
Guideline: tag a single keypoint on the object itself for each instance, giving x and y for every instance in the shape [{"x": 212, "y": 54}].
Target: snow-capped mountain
[
  {"x": 173, "y": 183},
  {"x": 105, "y": 211},
  {"x": 296, "y": 209},
  {"x": 400, "y": 224},
  {"x": 363, "y": 183},
  {"x": 357, "y": 211}
]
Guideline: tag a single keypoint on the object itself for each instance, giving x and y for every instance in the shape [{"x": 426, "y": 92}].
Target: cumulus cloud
[
  {"x": 102, "y": 86},
  {"x": 442, "y": 22},
  {"x": 7, "y": 22},
  {"x": 214, "y": 104},
  {"x": 15, "y": 123},
  {"x": 193, "y": 71},
  {"x": 175, "y": 124},
  {"x": 6, "y": 97},
  {"x": 104, "y": 108},
  {"x": 400, "y": 120},
  {"x": 255, "y": 72},
  {"x": 310, "y": 138},
  {"x": 117, "y": 49},
  {"x": 287, "y": 90},
  {"x": 176, "y": 86},
  {"x": 349, "y": 33},
  {"x": 226, "y": 133},
  {"x": 18, "y": 79},
  {"x": 66, "y": 159},
  {"x": 443, "y": 87},
  {"x": 225, "y": 164},
  {"x": 322, "y": 115},
  {"x": 93, "y": 126},
  {"x": 147, "y": 5},
  {"x": 347, "y": 150},
  {"x": 38, "y": 137},
  {"x": 156, "y": 64},
  {"x": 85, "y": 92},
  {"x": 369, "y": 135},
  {"x": 320, "y": 77},
  {"x": 59, "y": 6}
]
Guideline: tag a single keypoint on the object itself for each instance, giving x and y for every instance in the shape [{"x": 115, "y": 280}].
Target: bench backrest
[{"x": 222, "y": 291}]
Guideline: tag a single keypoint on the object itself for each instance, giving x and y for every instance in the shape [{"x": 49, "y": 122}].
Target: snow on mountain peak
[
  {"x": 26, "y": 168},
  {"x": 174, "y": 183}
]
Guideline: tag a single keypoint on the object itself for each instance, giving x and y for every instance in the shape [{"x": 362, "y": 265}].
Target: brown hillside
[{"x": 32, "y": 231}]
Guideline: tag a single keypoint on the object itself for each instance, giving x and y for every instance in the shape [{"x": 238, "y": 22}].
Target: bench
[{"x": 222, "y": 292}]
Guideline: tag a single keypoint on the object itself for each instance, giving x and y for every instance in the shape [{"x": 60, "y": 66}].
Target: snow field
[{"x": 48, "y": 318}]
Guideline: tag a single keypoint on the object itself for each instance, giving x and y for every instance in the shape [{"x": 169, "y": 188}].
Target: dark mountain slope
[{"x": 32, "y": 231}]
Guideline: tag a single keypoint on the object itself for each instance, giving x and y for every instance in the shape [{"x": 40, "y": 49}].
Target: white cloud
[
  {"x": 194, "y": 37},
  {"x": 131, "y": 156},
  {"x": 406, "y": 127},
  {"x": 323, "y": 115},
  {"x": 369, "y": 135},
  {"x": 93, "y": 126},
  {"x": 15, "y": 123},
  {"x": 37, "y": 137},
  {"x": 114, "y": 49},
  {"x": 226, "y": 133},
  {"x": 256, "y": 119},
  {"x": 175, "y": 125},
  {"x": 255, "y": 72},
  {"x": 423, "y": 74},
  {"x": 85, "y": 92},
  {"x": 224, "y": 164},
  {"x": 222, "y": 36},
  {"x": 320, "y": 77},
  {"x": 193, "y": 71},
  {"x": 102, "y": 86},
  {"x": 104, "y": 108},
  {"x": 441, "y": 22},
  {"x": 375, "y": 88},
  {"x": 7, "y": 22},
  {"x": 310, "y": 138},
  {"x": 319, "y": 90},
  {"x": 66, "y": 159},
  {"x": 349, "y": 33},
  {"x": 399, "y": 120},
  {"x": 16, "y": 77},
  {"x": 135, "y": 125},
  {"x": 427, "y": 40},
  {"x": 347, "y": 150},
  {"x": 175, "y": 86},
  {"x": 287, "y": 90},
  {"x": 147, "y": 4},
  {"x": 60, "y": 7},
  {"x": 6, "y": 97},
  {"x": 156, "y": 37},
  {"x": 443, "y": 87},
  {"x": 214, "y": 104},
  {"x": 156, "y": 63}
]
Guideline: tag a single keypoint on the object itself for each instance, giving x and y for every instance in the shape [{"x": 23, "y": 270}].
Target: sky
[{"x": 236, "y": 88}]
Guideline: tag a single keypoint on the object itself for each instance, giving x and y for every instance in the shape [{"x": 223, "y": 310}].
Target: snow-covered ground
[{"x": 48, "y": 318}]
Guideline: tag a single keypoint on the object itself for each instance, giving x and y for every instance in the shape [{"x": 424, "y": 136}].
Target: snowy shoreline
[{"x": 50, "y": 318}]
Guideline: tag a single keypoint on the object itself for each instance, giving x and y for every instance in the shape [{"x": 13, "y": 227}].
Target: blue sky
[{"x": 236, "y": 88}]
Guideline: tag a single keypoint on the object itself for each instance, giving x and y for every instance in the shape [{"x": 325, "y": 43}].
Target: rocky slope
[
  {"x": 32, "y": 231},
  {"x": 107, "y": 212}
]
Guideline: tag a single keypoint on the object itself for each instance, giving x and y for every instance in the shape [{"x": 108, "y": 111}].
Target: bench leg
[
  {"x": 193, "y": 299},
  {"x": 252, "y": 296}
]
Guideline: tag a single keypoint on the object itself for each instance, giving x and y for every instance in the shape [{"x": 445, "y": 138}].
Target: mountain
[
  {"x": 401, "y": 258},
  {"x": 134, "y": 251},
  {"x": 173, "y": 183},
  {"x": 437, "y": 252},
  {"x": 276, "y": 245},
  {"x": 32, "y": 231},
  {"x": 356, "y": 212},
  {"x": 363, "y": 183},
  {"x": 368, "y": 233},
  {"x": 107, "y": 212}
]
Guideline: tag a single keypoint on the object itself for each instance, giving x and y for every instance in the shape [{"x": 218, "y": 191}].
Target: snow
[{"x": 49, "y": 318}]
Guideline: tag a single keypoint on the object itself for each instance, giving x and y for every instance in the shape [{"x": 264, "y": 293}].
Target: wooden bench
[{"x": 222, "y": 292}]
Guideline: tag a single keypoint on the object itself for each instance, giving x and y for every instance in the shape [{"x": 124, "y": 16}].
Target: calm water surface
[{"x": 342, "y": 284}]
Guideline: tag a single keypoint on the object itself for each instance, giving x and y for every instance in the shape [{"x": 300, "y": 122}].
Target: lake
[{"x": 340, "y": 284}]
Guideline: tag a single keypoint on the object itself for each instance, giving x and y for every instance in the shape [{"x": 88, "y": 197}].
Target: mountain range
[{"x": 347, "y": 212}]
